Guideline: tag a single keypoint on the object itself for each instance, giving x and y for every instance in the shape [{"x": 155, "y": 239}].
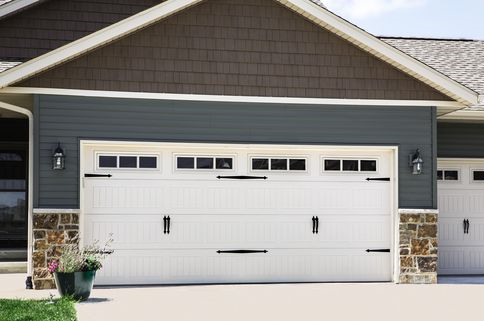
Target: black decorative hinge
[
  {"x": 379, "y": 250},
  {"x": 242, "y": 251},
  {"x": 381, "y": 179},
  {"x": 242, "y": 177},
  {"x": 98, "y": 175}
]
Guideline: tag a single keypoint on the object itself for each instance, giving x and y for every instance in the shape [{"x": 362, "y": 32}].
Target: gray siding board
[
  {"x": 460, "y": 140},
  {"x": 71, "y": 119}
]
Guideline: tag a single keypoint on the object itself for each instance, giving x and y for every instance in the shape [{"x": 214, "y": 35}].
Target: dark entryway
[{"x": 13, "y": 189}]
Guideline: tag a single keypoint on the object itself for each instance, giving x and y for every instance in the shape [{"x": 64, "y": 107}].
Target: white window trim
[
  {"x": 275, "y": 171},
  {"x": 203, "y": 170},
  {"x": 342, "y": 158},
  {"x": 126, "y": 169}
]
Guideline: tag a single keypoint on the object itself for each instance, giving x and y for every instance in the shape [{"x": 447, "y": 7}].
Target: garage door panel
[
  {"x": 206, "y": 266},
  {"x": 460, "y": 201},
  {"x": 124, "y": 196},
  {"x": 212, "y": 231}
]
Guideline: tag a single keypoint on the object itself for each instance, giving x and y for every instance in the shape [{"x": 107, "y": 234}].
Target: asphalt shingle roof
[{"x": 461, "y": 60}]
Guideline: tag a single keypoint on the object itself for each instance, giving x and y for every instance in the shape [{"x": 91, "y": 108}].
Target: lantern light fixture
[
  {"x": 415, "y": 161},
  {"x": 58, "y": 158}
]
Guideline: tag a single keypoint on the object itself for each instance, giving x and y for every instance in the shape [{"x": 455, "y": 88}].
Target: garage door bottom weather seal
[
  {"x": 242, "y": 251},
  {"x": 379, "y": 250}
]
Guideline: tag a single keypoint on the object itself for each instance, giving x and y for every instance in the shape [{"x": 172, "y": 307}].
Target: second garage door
[
  {"x": 229, "y": 214},
  {"x": 461, "y": 216}
]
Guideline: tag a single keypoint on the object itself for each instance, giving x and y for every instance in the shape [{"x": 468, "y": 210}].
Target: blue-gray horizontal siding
[
  {"x": 70, "y": 119},
  {"x": 460, "y": 140}
]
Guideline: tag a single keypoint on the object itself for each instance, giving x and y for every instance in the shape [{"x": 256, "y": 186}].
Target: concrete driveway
[{"x": 331, "y": 302}]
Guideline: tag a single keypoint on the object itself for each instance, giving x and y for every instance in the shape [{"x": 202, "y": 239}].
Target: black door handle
[
  {"x": 168, "y": 224},
  {"x": 164, "y": 224},
  {"x": 466, "y": 226},
  {"x": 314, "y": 224},
  {"x": 317, "y": 225}
]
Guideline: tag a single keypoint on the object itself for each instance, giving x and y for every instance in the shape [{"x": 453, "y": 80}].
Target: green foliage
[
  {"x": 37, "y": 310},
  {"x": 76, "y": 259}
]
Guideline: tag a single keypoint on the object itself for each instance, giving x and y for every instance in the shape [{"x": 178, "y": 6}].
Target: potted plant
[{"x": 75, "y": 269}]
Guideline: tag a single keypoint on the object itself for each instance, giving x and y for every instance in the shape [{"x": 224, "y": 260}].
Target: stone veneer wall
[
  {"x": 52, "y": 229},
  {"x": 418, "y": 246}
]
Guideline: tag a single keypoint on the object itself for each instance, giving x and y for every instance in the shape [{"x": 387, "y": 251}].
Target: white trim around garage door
[{"x": 262, "y": 147}]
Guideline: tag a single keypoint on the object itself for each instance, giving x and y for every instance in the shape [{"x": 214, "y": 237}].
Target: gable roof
[{"x": 311, "y": 9}]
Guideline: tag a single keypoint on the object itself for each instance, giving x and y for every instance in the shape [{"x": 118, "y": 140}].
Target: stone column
[
  {"x": 418, "y": 246},
  {"x": 52, "y": 229}
]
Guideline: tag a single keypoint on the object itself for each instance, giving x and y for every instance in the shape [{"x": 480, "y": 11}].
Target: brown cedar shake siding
[
  {"x": 236, "y": 47},
  {"x": 54, "y": 23}
]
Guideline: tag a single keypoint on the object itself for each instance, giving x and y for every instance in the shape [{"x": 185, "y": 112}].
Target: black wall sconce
[
  {"x": 58, "y": 158},
  {"x": 416, "y": 162}
]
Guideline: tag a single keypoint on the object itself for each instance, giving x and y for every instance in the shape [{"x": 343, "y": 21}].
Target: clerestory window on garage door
[
  {"x": 204, "y": 162},
  {"x": 279, "y": 163},
  {"x": 348, "y": 165},
  {"x": 127, "y": 162}
]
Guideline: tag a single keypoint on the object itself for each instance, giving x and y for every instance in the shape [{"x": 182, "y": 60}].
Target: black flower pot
[{"x": 77, "y": 285}]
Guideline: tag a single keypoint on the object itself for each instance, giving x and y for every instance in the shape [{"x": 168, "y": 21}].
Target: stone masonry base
[
  {"x": 418, "y": 246},
  {"x": 52, "y": 229}
]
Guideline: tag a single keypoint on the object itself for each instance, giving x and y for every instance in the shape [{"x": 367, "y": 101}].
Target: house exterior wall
[
  {"x": 236, "y": 47},
  {"x": 69, "y": 119},
  {"x": 460, "y": 140},
  {"x": 54, "y": 23}
]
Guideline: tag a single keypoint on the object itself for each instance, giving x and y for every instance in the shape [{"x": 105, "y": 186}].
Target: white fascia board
[
  {"x": 233, "y": 99},
  {"x": 94, "y": 40},
  {"x": 382, "y": 50},
  {"x": 468, "y": 115},
  {"x": 14, "y": 6}
]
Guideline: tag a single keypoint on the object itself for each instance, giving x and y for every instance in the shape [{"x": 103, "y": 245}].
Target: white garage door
[
  {"x": 222, "y": 214},
  {"x": 461, "y": 216}
]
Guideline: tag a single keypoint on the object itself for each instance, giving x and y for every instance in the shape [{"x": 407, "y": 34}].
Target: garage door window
[
  {"x": 478, "y": 175},
  {"x": 349, "y": 165},
  {"x": 127, "y": 162},
  {"x": 447, "y": 175},
  {"x": 204, "y": 163},
  {"x": 278, "y": 164}
]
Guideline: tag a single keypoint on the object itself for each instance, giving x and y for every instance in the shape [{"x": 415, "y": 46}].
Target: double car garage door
[{"x": 228, "y": 214}]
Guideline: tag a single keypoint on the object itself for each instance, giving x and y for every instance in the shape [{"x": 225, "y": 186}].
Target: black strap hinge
[
  {"x": 98, "y": 175},
  {"x": 242, "y": 251},
  {"x": 242, "y": 177},
  {"x": 381, "y": 179},
  {"x": 379, "y": 250}
]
